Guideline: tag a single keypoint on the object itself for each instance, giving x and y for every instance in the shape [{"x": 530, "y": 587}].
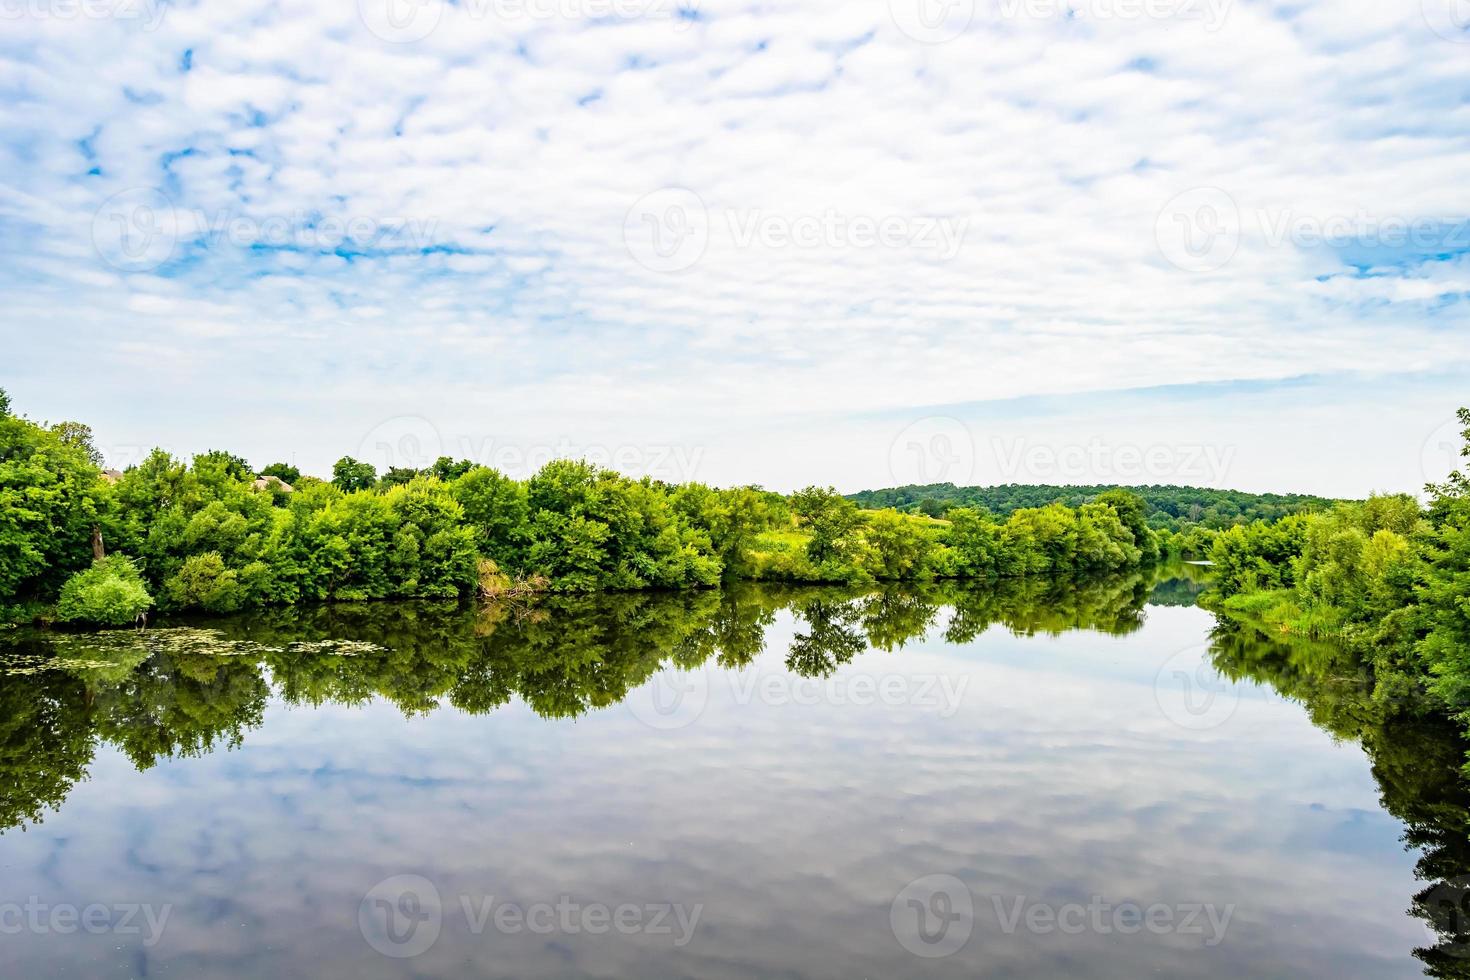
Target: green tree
[
  {"x": 349, "y": 475},
  {"x": 51, "y": 496},
  {"x": 78, "y": 435},
  {"x": 497, "y": 509}
]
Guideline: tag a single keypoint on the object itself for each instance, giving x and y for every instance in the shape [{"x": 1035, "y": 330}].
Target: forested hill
[{"x": 1174, "y": 508}]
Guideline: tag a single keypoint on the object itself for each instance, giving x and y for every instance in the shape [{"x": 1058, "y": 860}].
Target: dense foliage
[
  {"x": 1177, "y": 510},
  {"x": 214, "y": 534},
  {"x": 1387, "y": 577},
  {"x": 111, "y": 592}
]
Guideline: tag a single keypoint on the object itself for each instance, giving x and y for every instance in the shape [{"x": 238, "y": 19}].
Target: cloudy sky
[{"x": 850, "y": 242}]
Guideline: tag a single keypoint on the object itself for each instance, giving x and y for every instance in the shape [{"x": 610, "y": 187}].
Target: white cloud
[{"x": 494, "y": 163}]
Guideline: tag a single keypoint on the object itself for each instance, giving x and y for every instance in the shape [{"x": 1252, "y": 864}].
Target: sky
[{"x": 855, "y": 243}]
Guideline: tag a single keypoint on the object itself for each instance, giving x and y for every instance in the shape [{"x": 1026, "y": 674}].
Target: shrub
[
  {"x": 203, "y": 581},
  {"x": 110, "y": 593}
]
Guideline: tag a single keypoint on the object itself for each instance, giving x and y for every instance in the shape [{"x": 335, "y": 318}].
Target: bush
[
  {"x": 111, "y": 593},
  {"x": 203, "y": 581}
]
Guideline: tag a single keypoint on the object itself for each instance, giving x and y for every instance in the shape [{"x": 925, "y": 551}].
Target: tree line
[
  {"x": 1174, "y": 509},
  {"x": 215, "y": 534}
]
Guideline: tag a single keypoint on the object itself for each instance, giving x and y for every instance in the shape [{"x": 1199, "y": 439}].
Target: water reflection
[
  {"x": 1416, "y": 759},
  {"x": 197, "y": 689}
]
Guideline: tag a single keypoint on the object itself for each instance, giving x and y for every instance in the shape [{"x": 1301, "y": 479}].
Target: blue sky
[{"x": 850, "y": 242}]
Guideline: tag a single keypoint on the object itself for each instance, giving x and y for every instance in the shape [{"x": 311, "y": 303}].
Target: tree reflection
[
  {"x": 1416, "y": 757},
  {"x": 194, "y": 688}
]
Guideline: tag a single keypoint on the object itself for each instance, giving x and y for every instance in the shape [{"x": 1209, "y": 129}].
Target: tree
[
  {"x": 1133, "y": 512},
  {"x": 449, "y": 470},
  {"x": 78, "y": 435},
  {"x": 50, "y": 497},
  {"x": 398, "y": 476},
  {"x": 496, "y": 508},
  {"x": 830, "y": 518},
  {"x": 900, "y": 544},
  {"x": 217, "y": 465},
  {"x": 349, "y": 475}
]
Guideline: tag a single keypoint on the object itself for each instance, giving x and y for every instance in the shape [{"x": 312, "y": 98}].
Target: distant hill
[{"x": 1174, "y": 508}]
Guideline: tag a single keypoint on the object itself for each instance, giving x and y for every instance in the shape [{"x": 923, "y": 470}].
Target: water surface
[{"x": 1036, "y": 780}]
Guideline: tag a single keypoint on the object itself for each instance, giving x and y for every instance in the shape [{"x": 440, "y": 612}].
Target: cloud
[{"x": 351, "y": 225}]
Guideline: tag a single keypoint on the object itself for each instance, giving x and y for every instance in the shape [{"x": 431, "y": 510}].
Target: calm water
[{"x": 1036, "y": 781}]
